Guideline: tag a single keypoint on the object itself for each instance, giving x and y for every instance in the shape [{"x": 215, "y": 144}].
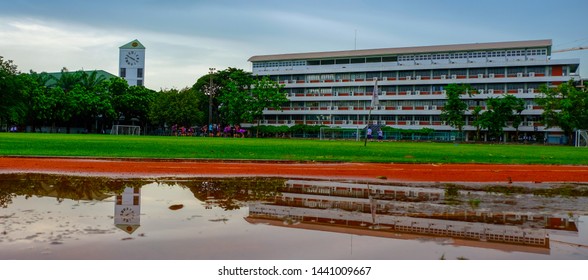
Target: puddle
[{"x": 66, "y": 217}]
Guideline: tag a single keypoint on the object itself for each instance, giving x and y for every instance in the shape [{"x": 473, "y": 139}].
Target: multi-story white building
[{"x": 335, "y": 88}]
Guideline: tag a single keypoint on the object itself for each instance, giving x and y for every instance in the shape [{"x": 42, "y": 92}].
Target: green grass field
[{"x": 109, "y": 146}]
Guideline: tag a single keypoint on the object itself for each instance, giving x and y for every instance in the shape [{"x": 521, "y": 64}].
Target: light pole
[{"x": 210, "y": 92}]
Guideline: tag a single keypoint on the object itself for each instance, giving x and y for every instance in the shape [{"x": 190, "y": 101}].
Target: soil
[{"x": 360, "y": 171}]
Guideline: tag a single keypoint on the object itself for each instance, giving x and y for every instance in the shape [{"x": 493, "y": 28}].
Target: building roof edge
[{"x": 406, "y": 50}]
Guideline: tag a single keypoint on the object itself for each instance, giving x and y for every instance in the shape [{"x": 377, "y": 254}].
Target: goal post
[
  {"x": 581, "y": 138},
  {"x": 125, "y": 130},
  {"x": 332, "y": 133}
]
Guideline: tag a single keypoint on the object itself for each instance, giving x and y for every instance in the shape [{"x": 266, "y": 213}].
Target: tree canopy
[
  {"x": 501, "y": 112},
  {"x": 12, "y": 93},
  {"x": 453, "y": 112},
  {"x": 238, "y": 96},
  {"x": 565, "y": 106}
]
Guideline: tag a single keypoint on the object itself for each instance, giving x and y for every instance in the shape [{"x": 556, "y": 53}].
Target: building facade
[
  {"x": 131, "y": 63},
  {"x": 335, "y": 88}
]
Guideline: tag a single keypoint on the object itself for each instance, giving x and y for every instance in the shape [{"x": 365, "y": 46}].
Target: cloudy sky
[{"x": 184, "y": 38}]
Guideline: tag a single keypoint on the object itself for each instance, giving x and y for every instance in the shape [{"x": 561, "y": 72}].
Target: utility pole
[{"x": 210, "y": 92}]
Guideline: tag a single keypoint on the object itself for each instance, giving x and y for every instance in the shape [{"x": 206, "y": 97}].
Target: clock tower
[{"x": 131, "y": 63}]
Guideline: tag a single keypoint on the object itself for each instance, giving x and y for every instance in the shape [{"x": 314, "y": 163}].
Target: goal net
[
  {"x": 125, "y": 130},
  {"x": 581, "y": 138},
  {"x": 332, "y": 133}
]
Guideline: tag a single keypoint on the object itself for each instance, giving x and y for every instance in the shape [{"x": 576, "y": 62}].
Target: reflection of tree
[
  {"x": 231, "y": 193},
  {"x": 60, "y": 186}
]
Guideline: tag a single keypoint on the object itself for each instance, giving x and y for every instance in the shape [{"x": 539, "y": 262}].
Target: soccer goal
[
  {"x": 581, "y": 138},
  {"x": 125, "y": 130},
  {"x": 332, "y": 133}
]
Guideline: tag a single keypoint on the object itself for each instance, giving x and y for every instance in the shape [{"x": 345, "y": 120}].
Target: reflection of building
[
  {"x": 127, "y": 210},
  {"x": 346, "y": 207}
]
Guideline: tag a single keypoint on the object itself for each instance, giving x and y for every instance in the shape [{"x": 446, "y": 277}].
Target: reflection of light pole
[{"x": 210, "y": 91}]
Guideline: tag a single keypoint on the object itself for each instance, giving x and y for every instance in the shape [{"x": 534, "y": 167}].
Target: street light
[{"x": 210, "y": 92}]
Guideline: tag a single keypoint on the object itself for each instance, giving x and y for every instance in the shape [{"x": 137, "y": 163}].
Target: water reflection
[
  {"x": 485, "y": 220},
  {"x": 64, "y": 217},
  {"x": 127, "y": 210}
]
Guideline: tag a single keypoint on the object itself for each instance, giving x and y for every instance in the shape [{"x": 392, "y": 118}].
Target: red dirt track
[{"x": 364, "y": 171}]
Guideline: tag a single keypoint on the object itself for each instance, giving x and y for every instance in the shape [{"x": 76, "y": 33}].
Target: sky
[{"x": 184, "y": 38}]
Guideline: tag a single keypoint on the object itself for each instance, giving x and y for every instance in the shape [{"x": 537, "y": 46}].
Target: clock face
[
  {"x": 127, "y": 214},
  {"x": 132, "y": 58}
]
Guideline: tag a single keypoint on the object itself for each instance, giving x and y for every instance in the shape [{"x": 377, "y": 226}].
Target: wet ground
[{"x": 69, "y": 217}]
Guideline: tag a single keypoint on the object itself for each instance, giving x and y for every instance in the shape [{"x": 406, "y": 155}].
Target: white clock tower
[{"x": 131, "y": 63}]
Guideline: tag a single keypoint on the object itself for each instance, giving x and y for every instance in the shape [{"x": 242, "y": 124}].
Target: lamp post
[{"x": 210, "y": 92}]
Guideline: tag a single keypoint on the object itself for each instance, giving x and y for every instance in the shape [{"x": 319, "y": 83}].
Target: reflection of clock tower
[
  {"x": 131, "y": 63},
  {"x": 127, "y": 210}
]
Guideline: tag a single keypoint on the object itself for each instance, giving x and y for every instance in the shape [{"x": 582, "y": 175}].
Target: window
[
  {"x": 423, "y": 73},
  {"x": 440, "y": 56},
  {"x": 423, "y": 88},
  {"x": 458, "y": 72},
  {"x": 515, "y": 70},
  {"x": 535, "y": 52},
  {"x": 404, "y": 74},
  {"x": 406, "y": 58},
  {"x": 371, "y": 75},
  {"x": 438, "y": 73},
  {"x": 373, "y": 59},
  {"x": 327, "y": 77},
  {"x": 140, "y": 82},
  {"x": 123, "y": 72},
  {"x": 496, "y": 71},
  {"x": 358, "y": 60},
  {"x": 536, "y": 70},
  {"x": 342, "y": 61},
  {"x": 389, "y": 59},
  {"x": 139, "y": 72}
]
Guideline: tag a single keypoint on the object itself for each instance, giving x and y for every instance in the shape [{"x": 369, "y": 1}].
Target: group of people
[
  {"x": 227, "y": 131},
  {"x": 182, "y": 131},
  {"x": 212, "y": 130},
  {"x": 380, "y": 134}
]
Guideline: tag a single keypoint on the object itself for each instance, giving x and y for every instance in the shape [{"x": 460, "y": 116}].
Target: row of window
[
  {"x": 410, "y": 57},
  {"x": 359, "y": 90},
  {"x": 427, "y": 74},
  {"x": 264, "y": 64},
  {"x": 526, "y": 120},
  {"x": 392, "y": 103}
]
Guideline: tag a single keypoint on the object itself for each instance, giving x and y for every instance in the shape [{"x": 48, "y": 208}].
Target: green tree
[
  {"x": 12, "y": 97},
  {"x": 130, "y": 103},
  {"x": 92, "y": 103},
  {"x": 90, "y": 80},
  {"x": 454, "y": 109},
  {"x": 500, "y": 112},
  {"x": 264, "y": 94},
  {"x": 565, "y": 106},
  {"x": 171, "y": 107},
  {"x": 478, "y": 121},
  {"x": 233, "y": 95},
  {"x": 68, "y": 80},
  {"x": 201, "y": 88}
]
